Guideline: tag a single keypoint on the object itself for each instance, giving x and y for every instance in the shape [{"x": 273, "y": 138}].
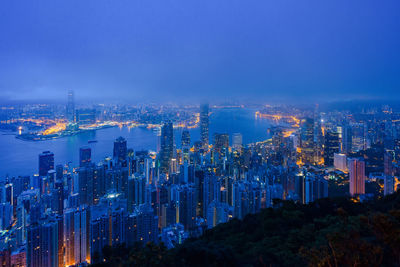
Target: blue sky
[{"x": 186, "y": 50}]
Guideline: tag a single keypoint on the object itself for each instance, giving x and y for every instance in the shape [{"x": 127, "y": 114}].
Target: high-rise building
[
  {"x": 167, "y": 146},
  {"x": 221, "y": 142},
  {"x": 388, "y": 185},
  {"x": 85, "y": 156},
  {"x": 357, "y": 176},
  {"x": 59, "y": 193},
  {"x": 43, "y": 244},
  {"x": 185, "y": 140},
  {"x": 307, "y": 141},
  {"x": 120, "y": 149},
  {"x": 340, "y": 161},
  {"x": 331, "y": 147},
  {"x": 204, "y": 125},
  {"x": 237, "y": 141},
  {"x": 46, "y": 163},
  {"x": 71, "y": 107}
]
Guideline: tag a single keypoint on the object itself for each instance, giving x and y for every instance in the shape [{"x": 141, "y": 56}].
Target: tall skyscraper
[
  {"x": 204, "y": 125},
  {"x": 71, "y": 107},
  {"x": 185, "y": 140},
  {"x": 46, "y": 163},
  {"x": 120, "y": 149},
  {"x": 237, "y": 141},
  {"x": 85, "y": 156},
  {"x": 357, "y": 176},
  {"x": 167, "y": 146},
  {"x": 307, "y": 141},
  {"x": 331, "y": 147}
]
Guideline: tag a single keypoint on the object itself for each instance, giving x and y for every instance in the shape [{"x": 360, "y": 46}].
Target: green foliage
[{"x": 328, "y": 232}]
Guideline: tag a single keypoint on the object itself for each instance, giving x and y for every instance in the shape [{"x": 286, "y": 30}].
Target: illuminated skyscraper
[
  {"x": 185, "y": 140},
  {"x": 120, "y": 149},
  {"x": 71, "y": 107},
  {"x": 357, "y": 176},
  {"x": 46, "y": 162},
  {"x": 204, "y": 125},
  {"x": 167, "y": 146},
  {"x": 237, "y": 141},
  {"x": 331, "y": 147},
  {"x": 85, "y": 154},
  {"x": 307, "y": 141}
]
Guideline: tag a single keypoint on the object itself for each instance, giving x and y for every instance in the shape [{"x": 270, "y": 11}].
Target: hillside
[{"x": 329, "y": 232}]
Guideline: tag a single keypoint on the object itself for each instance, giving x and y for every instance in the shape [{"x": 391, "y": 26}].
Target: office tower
[
  {"x": 120, "y": 149},
  {"x": 221, "y": 143},
  {"x": 204, "y": 126},
  {"x": 388, "y": 162},
  {"x": 340, "y": 162},
  {"x": 59, "y": 172},
  {"x": 359, "y": 142},
  {"x": 85, "y": 156},
  {"x": 59, "y": 195},
  {"x": 237, "y": 141},
  {"x": 46, "y": 163},
  {"x": 86, "y": 116},
  {"x": 357, "y": 176},
  {"x": 331, "y": 147},
  {"x": 167, "y": 146},
  {"x": 71, "y": 107},
  {"x": 185, "y": 140},
  {"x": 307, "y": 141},
  {"x": 388, "y": 185},
  {"x": 346, "y": 141}
]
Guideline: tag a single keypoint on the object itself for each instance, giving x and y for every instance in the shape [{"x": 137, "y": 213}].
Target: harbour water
[{"x": 18, "y": 157}]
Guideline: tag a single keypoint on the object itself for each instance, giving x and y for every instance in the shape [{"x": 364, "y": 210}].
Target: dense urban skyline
[
  {"x": 155, "y": 51},
  {"x": 212, "y": 133}
]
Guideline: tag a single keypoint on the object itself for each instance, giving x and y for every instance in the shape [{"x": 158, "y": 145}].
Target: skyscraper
[
  {"x": 331, "y": 147},
  {"x": 85, "y": 154},
  {"x": 307, "y": 141},
  {"x": 204, "y": 125},
  {"x": 120, "y": 149},
  {"x": 357, "y": 176},
  {"x": 167, "y": 146},
  {"x": 185, "y": 140},
  {"x": 237, "y": 141},
  {"x": 221, "y": 142},
  {"x": 46, "y": 163},
  {"x": 71, "y": 107}
]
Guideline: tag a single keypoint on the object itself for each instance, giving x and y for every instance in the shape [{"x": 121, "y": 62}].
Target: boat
[{"x": 92, "y": 141}]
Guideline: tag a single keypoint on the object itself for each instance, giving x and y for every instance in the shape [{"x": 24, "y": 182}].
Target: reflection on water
[{"x": 19, "y": 157}]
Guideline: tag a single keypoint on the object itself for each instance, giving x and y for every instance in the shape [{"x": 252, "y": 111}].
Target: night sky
[{"x": 186, "y": 50}]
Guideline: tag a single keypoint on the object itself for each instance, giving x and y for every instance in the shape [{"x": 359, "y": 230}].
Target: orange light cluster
[
  {"x": 278, "y": 117},
  {"x": 55, "y": 129}
]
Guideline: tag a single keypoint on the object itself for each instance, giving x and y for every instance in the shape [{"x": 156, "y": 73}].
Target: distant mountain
[{"x": 328, "y": 232}]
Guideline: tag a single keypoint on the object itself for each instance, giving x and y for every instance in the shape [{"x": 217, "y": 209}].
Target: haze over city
[
  {"x": 199, "y": 133},
  {"x": 160, "y": 51}
]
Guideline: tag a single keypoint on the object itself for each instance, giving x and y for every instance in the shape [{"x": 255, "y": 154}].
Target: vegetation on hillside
[{"x": 328, "y": 232}]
